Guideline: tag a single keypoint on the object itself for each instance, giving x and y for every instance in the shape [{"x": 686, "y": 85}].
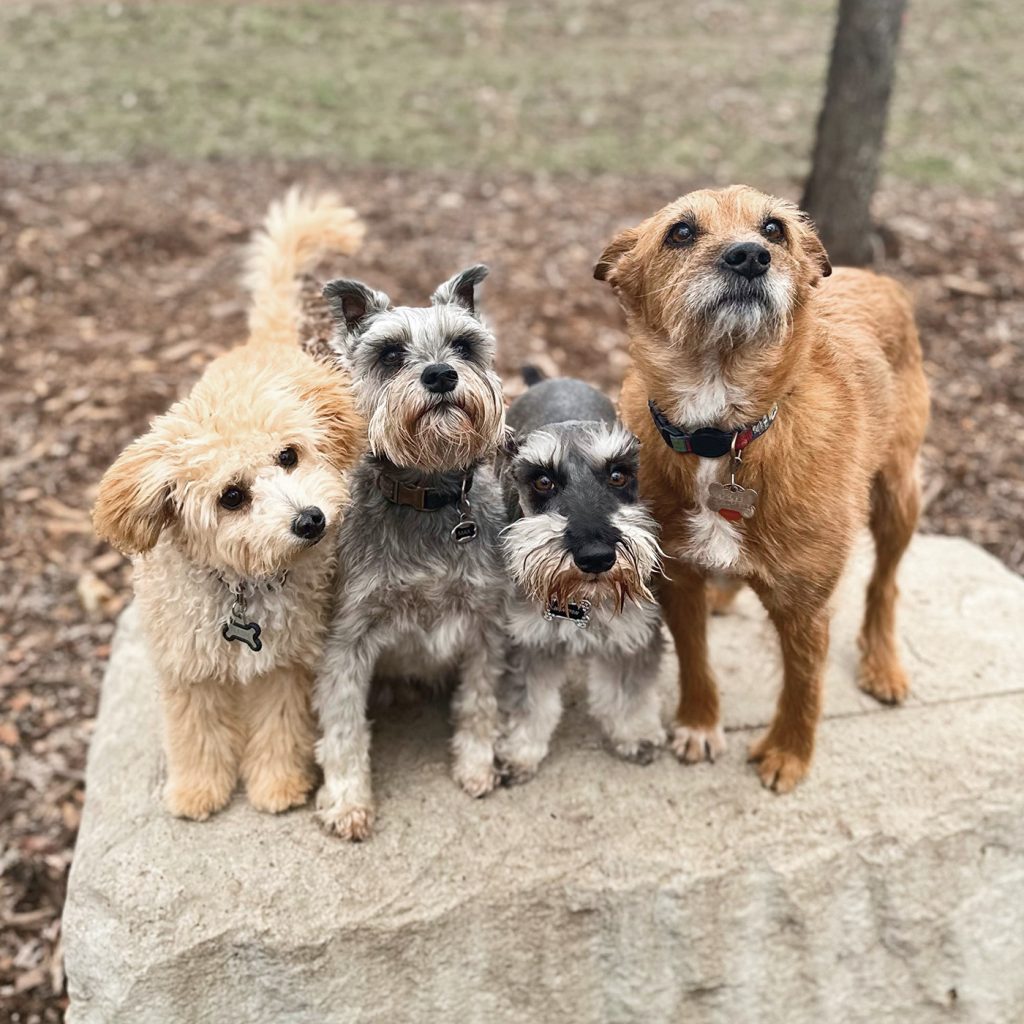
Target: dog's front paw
[
  {"x": 639, "y": 751},
  {"x": 882, "y": 677},
  {"x": 516, "y": 773},
  {"x": 692, "y": 745},
  {"x": 780, "y": 770},
  {"x": 275, "y": 794},
  {"x": 196, "y": 801},
  {"x": 476, "y": 779},
  {"x": 353, "y": 822}
]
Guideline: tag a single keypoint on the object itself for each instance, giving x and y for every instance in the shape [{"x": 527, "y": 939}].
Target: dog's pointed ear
[
  {"x": 622, "y": 243},
  {"x": 352, "y": 303},
  {"x": 133, "y": 503},
  {"x": 460, "y": 289},
  {"x": 813, "y": 246}
]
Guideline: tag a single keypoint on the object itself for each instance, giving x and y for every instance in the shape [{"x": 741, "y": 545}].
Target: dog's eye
[
  {"x": 288, "y": 457},
  {"x": 463, "y": 347},
  {"x": 392, "y": 356},
  {"x": 234, "y": 497},
  {"x": 542, "y": 484},
  {"x": 773, "y": 231},
  {"x": 618, "y": 477},
  {"x": 680, "y": 234}
]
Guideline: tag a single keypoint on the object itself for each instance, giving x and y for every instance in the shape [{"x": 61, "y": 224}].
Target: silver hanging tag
[
  {"x": 732, "y": 501},
  {"x": 465, "y": 530},
  {"x": 237, "y": 628}
]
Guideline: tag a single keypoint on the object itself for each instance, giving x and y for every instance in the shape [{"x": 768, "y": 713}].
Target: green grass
[{"x": 717, "y": 90}]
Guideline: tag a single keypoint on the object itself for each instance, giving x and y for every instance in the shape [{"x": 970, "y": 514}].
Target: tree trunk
[{"x": 851, "y": 126}]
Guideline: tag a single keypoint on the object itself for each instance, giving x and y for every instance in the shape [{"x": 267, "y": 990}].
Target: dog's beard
[
  {"x": 726, "y": 313},
  {"x": 411, "y": 427},
  {"x": 542, "y": 566}
]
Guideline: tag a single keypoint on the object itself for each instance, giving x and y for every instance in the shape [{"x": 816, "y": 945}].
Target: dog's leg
[
  {"x": 204, "y": 739},
  {"x": 784, "y": 752},
  {"x": 475, "y": 709},
  {"x": 895, "y": 505},
  {"x": 697, "y": 733},
  {"x": 344, "y": 804},
  {"x": 623, "y": 695},
  {"x": 277, "y": 765},
  {"x": 531, "y": 700}
]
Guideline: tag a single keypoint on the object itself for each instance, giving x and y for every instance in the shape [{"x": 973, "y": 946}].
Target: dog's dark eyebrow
[{"x": 528, "y": 470}]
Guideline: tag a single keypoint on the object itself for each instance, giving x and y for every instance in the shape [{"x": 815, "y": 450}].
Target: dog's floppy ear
[
  {"x": 460, "y": 288},
  {"x": 353, "y": 303},
  {"x": 133, "y": 504},
  {"x": 812, "y": 244},
  {"x": 622, "y": 243}
]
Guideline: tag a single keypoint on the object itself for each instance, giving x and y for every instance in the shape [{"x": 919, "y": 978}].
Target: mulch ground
[{"x": 122, "y": 282}]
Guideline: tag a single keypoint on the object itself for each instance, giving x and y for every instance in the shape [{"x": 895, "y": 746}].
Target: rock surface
[{"x": 889, "y": 887}]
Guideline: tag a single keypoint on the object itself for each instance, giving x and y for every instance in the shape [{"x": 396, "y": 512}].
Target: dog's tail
[
  {"x": 532, "y": 375},
  {"x": 299, "y": 230}
]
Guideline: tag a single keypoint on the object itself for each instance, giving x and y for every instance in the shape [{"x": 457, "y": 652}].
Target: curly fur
[{"x": 228, "y": 710}]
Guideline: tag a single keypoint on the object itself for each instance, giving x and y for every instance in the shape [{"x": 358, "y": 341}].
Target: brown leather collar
[{"x": 423, "y": 499}]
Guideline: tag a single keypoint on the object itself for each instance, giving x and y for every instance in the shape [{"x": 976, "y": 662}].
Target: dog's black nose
[
  {"x": 309, "y": 523},
  {"x": 747, "y": 258},
  {"x": 440, "y": 378},
  {"x": 594, "y": 556}
]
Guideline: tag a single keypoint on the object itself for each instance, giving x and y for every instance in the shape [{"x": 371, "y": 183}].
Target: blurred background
[{"x": 141, "y": 142}]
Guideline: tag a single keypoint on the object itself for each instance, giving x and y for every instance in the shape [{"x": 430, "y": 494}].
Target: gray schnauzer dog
[
  {"x": 581, "y": 551},
  {"x": 421, "y": 584}
]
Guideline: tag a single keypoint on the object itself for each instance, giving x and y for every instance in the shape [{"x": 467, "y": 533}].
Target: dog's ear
[
  {"x": 622, "y": 243},
  {"x": 460, "y": 288},
  {"x": 353, "y": 303},
  {"x": 133, "y": 504},
  {"x": 812, "y": 245}
]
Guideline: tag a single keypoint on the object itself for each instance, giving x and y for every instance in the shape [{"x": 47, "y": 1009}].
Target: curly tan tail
[{"x": 298, "y": 231}]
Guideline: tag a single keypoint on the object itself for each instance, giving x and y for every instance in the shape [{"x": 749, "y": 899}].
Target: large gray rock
[{"x": 889, "y": 887}]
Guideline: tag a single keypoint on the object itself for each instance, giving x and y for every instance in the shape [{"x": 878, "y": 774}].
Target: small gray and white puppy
[
  {"x": 581, "y": 550},
  {"x": 421, "y": 585}
]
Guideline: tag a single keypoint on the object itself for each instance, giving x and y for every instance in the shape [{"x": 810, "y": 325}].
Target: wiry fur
[
  {"x": 622, "y": 644},
  {"x": 412, "y": 601},
  {"x": 841, "y": 358},
  {"x": 228, "y": 710}
]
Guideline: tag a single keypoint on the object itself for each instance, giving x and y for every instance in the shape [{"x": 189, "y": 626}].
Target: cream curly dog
[{"x": 223, "y": 505}]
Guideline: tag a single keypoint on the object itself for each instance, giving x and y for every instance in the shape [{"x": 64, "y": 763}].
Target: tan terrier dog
[
  {"x": 778, "y": 414},
  {"x": 223, "y": 504}
]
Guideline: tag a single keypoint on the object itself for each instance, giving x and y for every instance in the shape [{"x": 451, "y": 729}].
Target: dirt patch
[{"x": 121, "y": 284}]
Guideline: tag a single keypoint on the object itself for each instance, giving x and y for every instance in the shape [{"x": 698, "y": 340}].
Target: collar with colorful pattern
[{"x": 709, "y": 442}]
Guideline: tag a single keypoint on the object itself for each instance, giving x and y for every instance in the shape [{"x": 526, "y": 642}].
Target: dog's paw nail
[
  {"x": 693, "y": 745},
  {"x": 643, "y": 752}
]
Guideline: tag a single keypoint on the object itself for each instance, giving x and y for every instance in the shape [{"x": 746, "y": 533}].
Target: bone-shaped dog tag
[
  {"x": 731, "y": 501},
  {"x": 247, "y": 633}
]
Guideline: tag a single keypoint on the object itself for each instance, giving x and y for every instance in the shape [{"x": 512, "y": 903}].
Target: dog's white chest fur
[{"x": 712, "y": 541}]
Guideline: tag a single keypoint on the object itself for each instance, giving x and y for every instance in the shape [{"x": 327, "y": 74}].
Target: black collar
[
  {"x": 577, "y": 612},
  {"x": 423, "y": 499},
  {"x": 709, "y": 442}
]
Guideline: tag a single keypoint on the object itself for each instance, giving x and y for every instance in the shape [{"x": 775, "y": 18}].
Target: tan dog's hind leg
[
  {"x": 278, "y": 762},
  {"x": 205, "y": 737},
  {"x": 697, "y": 734},
  {"x": 784, "y": 752},
  {"x": 895, "y": 504}
]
